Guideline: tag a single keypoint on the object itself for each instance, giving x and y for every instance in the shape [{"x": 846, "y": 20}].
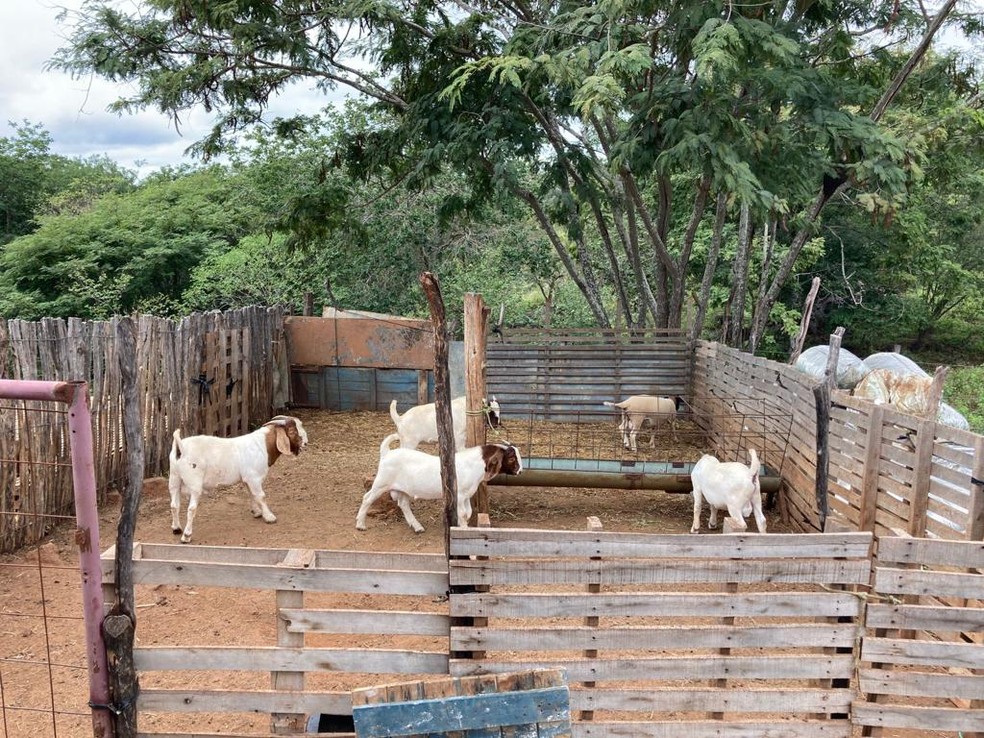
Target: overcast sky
[{"x": 74, "y": 111}]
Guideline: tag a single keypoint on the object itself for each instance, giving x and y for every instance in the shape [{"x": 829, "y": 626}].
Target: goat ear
[
  {"x": 493, "y": 462},
  {"x": 283, "y": 442}
]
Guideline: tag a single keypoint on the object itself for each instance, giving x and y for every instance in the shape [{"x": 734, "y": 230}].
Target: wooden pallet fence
[
  {"x": 666, "y": 661},
  {"x": 923, "y": 651},
  {"x": 339, "y": 598},
  {"x": 781, "y": 401},
  {"x": 558, "y": 375},
  {"x": 239, "y": 353},
  {"x": 893, "y": 471}
]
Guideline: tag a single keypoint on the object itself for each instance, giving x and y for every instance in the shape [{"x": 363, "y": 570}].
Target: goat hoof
[
  {"x": 271, "y": 519},
  {"x": 186, "y": 539},
  {"x": 695, "y": 531},
  {"x": 361, "y": 526},
  {"x": 176, "y": 531}
]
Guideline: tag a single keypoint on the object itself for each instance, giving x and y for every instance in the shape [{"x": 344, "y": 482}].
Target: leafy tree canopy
[{"x": 616, "y": 123}]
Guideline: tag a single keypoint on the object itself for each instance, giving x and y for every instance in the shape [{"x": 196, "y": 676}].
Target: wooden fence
[
  {"x": 776, "y": 402},
  {"x": 338, "y": 598},
  {"x": 219, "y": 373},
  {"x": 923, "y": 649},
  {"x": 658, "y": 635},
  {"x": 892, "y": 471},
  {"x": 555, "y": 375}
]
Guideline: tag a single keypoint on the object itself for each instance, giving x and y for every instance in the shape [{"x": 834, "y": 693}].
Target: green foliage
[
  {"x": 965, "y": 391},
  {"x": 123, "y": 250}
]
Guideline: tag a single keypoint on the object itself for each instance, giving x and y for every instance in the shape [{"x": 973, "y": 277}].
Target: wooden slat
[
  {"x": 670, "y": 571},
  {"x": 708, "y": 699},
  {"x": 772, "y": 667},
  {"x": 918, "y": 582},
  {"x": 919, "y": 718},
  {"x": 264, "y": 658},
  {"x": 909, "y": 684},
  {"x": 522, "y": 542},
  {"x": 794, "y": 604},
  {"x": 382, "y": 622},
  {"x": 925, "y": 617},
  {"x": 559, "y": 638},
  {"x": 257, "y": 700},
  {"x": 922, "y": 653},
  {"x": 713, "y": 729},
  {"x": 968, "y": 554}
]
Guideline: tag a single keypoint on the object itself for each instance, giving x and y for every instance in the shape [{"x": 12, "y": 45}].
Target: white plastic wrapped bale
[
  {"x": 850, "y": 369},
  {"x": 907, "y": 396},
  {"x": 895, "y": 363}
]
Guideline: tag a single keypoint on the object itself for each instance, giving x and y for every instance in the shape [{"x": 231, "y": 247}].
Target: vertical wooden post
[
  {"x": 282, "y": 723},
  {"x": 591, "y": 621},
  {"x": 821, "y": 394},
  {"x": 308, "y": 303},
  {"x": 442, "y": 405},
  {"x": 919, "y": 507},
  {"x": 120, "y": 624},
  {"x": 804, "y": 321},
  {"x": 975, "y": 517},
  {"x": 476, "y": 316},
  {"x": 872, "y": 463}
]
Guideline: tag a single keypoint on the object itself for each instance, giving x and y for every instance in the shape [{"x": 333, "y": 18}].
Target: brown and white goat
[
  {"x": 407, "y": 474},
  {"x": 638, "y": 410},
  {"x": 201, "y": 463}
]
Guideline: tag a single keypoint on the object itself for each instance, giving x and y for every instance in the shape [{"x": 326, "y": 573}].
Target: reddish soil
[{"x": 315, "y": 498}]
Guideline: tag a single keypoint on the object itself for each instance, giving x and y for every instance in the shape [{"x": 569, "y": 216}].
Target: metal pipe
[
  {"x": 87, "y": 538},
  {"x": 610, "y": 480},
  {"x": 76, "y": 396}
]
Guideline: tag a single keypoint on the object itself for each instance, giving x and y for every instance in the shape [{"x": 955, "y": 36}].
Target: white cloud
[{"x": 74, "y": 111}]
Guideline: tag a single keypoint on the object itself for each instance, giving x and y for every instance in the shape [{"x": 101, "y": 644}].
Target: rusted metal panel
[{"x": 358, "y": 341}]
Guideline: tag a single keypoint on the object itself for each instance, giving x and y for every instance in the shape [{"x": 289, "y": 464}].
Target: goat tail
[
  {"x": 393, "y": 414},
  {"x": 606, "y": 403},
  {"x": 753, "y": 464},
  {"x": 384, "y": 447},
  {"x": 176, "y": 444}
]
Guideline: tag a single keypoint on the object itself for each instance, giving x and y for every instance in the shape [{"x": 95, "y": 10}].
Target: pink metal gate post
[{"x": 76, "y": 396}]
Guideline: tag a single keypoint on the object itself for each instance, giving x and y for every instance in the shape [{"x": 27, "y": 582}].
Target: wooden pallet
[{"x": 487, "y": 705}]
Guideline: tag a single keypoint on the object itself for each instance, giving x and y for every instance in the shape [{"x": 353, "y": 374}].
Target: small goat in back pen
[{"x": 730, "y": 486}]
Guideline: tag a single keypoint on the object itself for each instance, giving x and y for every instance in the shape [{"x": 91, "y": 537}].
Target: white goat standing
[
  {"x": 202, "y": 463},
  {"x": 407, "y": 473},
  {"x": 640, "y": 409},
  {"x": 419, "y": 424},
  {"x": 730, "y": 486}
]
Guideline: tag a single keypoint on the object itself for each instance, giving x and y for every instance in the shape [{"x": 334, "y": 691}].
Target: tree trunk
[
  {"x": 739, "y": 280},
  {"x": 720, "y": 215}
]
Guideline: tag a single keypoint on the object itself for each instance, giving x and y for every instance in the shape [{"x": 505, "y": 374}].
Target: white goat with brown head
[{"x": 202, "y": 463}]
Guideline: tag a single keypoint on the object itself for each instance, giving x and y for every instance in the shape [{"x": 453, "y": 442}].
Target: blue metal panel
[
  {"x": 361, "y": 388},
  {"x": 546, "y": 709}
]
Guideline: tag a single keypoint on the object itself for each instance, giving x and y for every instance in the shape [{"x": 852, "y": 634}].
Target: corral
[{"x": 660, "y": 635}]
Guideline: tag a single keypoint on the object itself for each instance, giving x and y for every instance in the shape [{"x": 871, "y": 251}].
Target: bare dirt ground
[{"x": 315, "y": 498}]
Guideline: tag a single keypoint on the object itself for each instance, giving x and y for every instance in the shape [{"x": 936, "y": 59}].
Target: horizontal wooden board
[
  {"x": 531, "y": 543},
  {"x": 921, "y": 582},
  {"x": 909, "y": 684},
  {"x": 744, "y": 604},
  {"x": 712, "y": 699},
  {"x": 559, "y": 638},
  {"x": 918, "y": 718},
  {"x": 922, "y": 653},
  {"x": 670, "y": 571},
  {"x": 383, "y": 622},
  {"x": 224, "y": 700},
  {"x": 376, "y": 582},
  {"x": 969, "y": 554},
  {"x": 260, "y": 658},
  {"x": 712, "y": 729},
  {"x": 925, "y": 617},
  {"x": 774, "y": 667}
]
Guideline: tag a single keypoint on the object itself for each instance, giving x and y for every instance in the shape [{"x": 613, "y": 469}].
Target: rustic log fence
[
  {"x": 220, "y": 373},
  {"x": 658, "y": 635}
]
